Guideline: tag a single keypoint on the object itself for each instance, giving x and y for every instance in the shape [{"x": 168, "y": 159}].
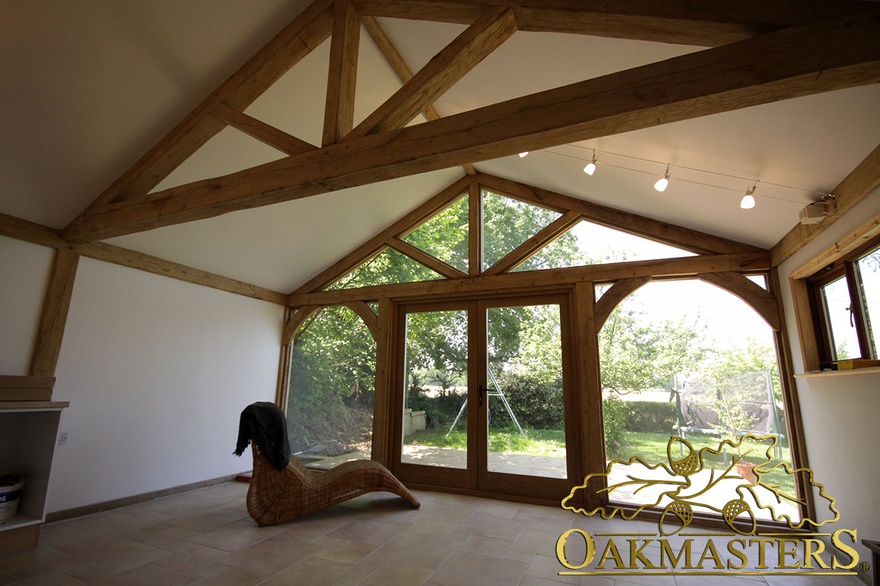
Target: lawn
[{"x": 650, "y": 447}]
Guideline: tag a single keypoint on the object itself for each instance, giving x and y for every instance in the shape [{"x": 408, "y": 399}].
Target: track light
[
  {"x": 523, "y": 154},
  {"x": 663, "y": 182},
  {"x": 748, "y": 200},
  {"x": 591, "y": 166}
]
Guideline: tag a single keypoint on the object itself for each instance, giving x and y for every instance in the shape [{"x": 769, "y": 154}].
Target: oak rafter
[{"x": 794, "y": 62}]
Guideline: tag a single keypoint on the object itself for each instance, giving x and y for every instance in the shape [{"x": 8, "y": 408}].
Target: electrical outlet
[{"x": 62, "y": 438}]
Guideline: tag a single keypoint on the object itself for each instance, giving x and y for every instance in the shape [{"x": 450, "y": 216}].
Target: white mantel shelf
[{"x": 834, "y": 373}]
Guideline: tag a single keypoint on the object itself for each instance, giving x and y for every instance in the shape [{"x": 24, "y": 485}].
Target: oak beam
[
  {"x": 344, "y": 45},
  {"x": 401, "y": 69},
  {"x": 854, "y": 188},
  {"x": 688, "y": 267},
  {"x": 530, "y": 247},
  {"x": 375, "y": 245},
  {"x": 19, "y": 229},
  {"x": 261, "y": 131},
  {"x": 475, "y": 229},
  {"x": 368, "y": 316},
  {"x": 54, "y": 317},
  {"x": 286, "y": 49},
  {"x": 448, "y": 66},
  {"x": 422, "y": 257},
  {"x": 761, "y": 300},
  {"x": 784, "y": 64},
  {"x": 612, "y": 298},
  {"x": 295, "y": 322},
  {"x": 663, "y": 232},
  {"x": 706, "y": 23}
]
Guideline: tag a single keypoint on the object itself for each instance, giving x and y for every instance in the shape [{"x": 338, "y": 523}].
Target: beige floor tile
[
  {"x": 110, "y": 560},
  {"x": 342, "y": 551},
  {"x": 236, "y": 536},
  {"x": 269, "y": 557},
  {"x": 549, "y": 568},
  {"x": 199, "y": 560},
  {"x": 488, "y": 546},
  {"x": 149, "y": 575},
  {"x": 399, "y": 575},
  {"x": 537, "y": 541},
  {"x": 311, "y": 571},
  {"x": 420, "y": 550},
  {"x": 368, "y": 530},
  {"x": 31, "y": 563},
  {"x": 492, "y": 526},
  {"x": 466, "y": 568},
  {"x": 52, "y": 579}
]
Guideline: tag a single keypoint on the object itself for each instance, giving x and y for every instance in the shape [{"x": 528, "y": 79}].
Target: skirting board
[{"x": 131, "y": 500}]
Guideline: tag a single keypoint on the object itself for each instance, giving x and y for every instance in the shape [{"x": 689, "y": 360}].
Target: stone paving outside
[{"x": 549, "y": 467}]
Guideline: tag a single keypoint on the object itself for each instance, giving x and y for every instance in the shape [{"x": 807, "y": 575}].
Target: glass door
[{"x": 484, "y": 398}]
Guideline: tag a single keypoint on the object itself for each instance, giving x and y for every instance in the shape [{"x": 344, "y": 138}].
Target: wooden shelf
[
  {"x": 33, "y": 405},
  {"x": 834, "y": 373}
]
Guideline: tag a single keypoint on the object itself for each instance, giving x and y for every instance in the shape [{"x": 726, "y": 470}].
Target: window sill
[{"x": 824, "y": 373}]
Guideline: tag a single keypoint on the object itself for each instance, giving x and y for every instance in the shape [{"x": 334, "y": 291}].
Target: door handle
[{"x": 480, "y": 395}]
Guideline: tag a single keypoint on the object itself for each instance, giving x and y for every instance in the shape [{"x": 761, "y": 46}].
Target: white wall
[
  {"x": 841, "y": 414},
  {"x": 156, "y": 371},
  {"x": 24, "y": 274}
]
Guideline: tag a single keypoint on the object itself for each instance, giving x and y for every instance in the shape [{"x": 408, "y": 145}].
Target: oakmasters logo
[{"x": 694, "y": 484}]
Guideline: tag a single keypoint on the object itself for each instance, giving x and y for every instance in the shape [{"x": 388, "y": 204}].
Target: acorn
[
  {"x": 680, "y": 509},
  {"x": 684, "y": 466},
  {"x": 735, "y": 508}
]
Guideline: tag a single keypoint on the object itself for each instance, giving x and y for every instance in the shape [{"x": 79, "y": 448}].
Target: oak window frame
[{"x": 845, "y": 267}]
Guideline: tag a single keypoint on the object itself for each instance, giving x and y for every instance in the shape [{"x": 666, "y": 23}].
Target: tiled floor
[{"x": 207, "y": 537}]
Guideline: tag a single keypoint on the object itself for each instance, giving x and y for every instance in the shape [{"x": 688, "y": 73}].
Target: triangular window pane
[
  {"x": 445, "y": 235},
  {"x": 387, "y": 268},
  {"x": 589, "y": 244},
  {"x": 507, "y": 223}
]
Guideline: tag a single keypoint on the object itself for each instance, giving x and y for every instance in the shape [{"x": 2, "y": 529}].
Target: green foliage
[
  {"x": 507, "y": 223},
  {"x": 332, "y": 372},
  {"x": 537, "y": 403},
  {"x": 616, "y": 437},
  {"x": 636, "y": 354},
  {"x": 445, "y": 236}
]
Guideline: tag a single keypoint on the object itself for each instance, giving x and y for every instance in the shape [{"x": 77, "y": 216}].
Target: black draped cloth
[{"x": 265, "y": 425}]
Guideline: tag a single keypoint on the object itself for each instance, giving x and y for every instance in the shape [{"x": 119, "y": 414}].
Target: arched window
[
  {"x": 689, "y": 359},
  {"x": 331, "y": 386}
]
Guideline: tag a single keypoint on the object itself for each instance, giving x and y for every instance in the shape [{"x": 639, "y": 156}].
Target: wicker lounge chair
[{"x": 282, "y": 488}]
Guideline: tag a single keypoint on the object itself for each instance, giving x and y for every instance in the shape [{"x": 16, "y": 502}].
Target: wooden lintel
[
  {"x": 261, "y": 131},
  {"x": 612, "y": 298},
  {"x": 54, "y": 316},
  {"x": 784, "y": 64},
  {"x": 448, "y": 66},
  {"x": 344, "y": 45},
  {"x": 688, "y": 267},
  {"x": 760, "y": 299},
  {"x": 854, "y": 188}
]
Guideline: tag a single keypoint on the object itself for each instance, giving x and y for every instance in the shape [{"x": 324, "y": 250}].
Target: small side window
[{"x": 846, "y": 295}]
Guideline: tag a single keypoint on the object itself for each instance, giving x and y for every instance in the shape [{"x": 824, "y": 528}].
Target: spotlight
[
  {"x": 663, "y": 182},
  {"x": 591, "y": 166},
  {"x": 523, "y": 154},
  {"x": 748, "y": 200}
]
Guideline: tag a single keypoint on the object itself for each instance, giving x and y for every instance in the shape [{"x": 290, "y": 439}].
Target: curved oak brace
[
  {"x": 371, "y": 320},
  {"x": 296, "y": 321},
  {"x": 612, "y": 297},
  {"x": 761, "y": 300}
]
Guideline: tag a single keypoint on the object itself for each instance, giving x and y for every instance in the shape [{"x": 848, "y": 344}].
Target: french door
[{"x": 483, "y": 397}]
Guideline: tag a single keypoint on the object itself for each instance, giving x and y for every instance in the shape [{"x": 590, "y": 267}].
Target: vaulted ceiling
[{"x": 155, "y": 118}]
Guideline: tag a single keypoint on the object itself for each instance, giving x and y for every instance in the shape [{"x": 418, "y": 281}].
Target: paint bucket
[{"x": 10, "y": 494}]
